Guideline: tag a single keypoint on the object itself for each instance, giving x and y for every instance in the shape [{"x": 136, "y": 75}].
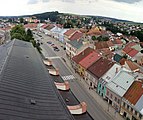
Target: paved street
[{"x": 78, "y": 87}]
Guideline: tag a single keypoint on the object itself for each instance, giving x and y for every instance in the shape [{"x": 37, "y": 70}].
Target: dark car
[
  {"x": 49, "y": 42},
  {"x": 56, "y": 49},
  {"x": 52, "y": 44}
]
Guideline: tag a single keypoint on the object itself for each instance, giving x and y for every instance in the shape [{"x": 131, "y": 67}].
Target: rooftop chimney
[{"x": 117, "y": 70}]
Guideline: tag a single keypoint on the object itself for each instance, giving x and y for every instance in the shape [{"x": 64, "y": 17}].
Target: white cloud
[{"x": 110, "y": 8}]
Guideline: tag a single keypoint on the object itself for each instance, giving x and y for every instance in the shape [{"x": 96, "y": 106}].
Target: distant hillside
[
  {"x": 54, "y": 15},
  {"x": 44, "y": 16},
  {"x": 113, "y": 19}
]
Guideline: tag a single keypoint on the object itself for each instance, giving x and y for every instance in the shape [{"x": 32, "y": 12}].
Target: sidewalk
[
  {"x": 107, "y": 108},
  {"x": 80, "y": 84}
]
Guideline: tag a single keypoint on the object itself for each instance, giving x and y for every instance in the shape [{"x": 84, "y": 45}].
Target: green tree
[
  {"x": 18, "y": 32},
  {"x": 29, "y": 33},
  {"x": 17, "y": 36},
  {"x": 21, "y": 20},
  {"x": 94, "y": 38}
]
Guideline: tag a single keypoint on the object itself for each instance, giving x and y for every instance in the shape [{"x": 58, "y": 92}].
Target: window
[
  {"x": 131, "y": 109},
  {"x": 107, "y": 93},
  {"x": 128, "y": 107},
  {"x": 102, "y": 87},
  {"x": 115, "y": 99},
  {"x": 118, "y": 101},
  {"x": 124, "y": 104},
  {"x": 135, "y": 112},
  {"x": 108, "y": 78},
  {"x": 111, "y": 96}
]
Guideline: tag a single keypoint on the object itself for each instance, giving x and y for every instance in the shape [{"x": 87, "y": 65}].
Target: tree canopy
[{"x": 20, "y": 33}]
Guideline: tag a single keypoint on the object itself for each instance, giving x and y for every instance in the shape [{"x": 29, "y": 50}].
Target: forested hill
[{"x": 51, "y": 15}]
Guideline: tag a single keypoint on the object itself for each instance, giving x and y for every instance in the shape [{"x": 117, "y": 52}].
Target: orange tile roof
[
  {"x": 90, "y": 59},
  {"x": 132, "y": 65},
  {"x": 134, "y": 92},
  {"x": 95, "y": 31}
]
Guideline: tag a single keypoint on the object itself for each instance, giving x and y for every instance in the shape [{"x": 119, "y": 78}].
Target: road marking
[
  {"x": 68, "y": 77},
  {"x": 55, "y": 57}
]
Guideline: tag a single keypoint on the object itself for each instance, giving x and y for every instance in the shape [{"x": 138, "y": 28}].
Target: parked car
[
  {"x": 52, "y": 44},
  {"x": 56, "y": 49},
  {"x": 49, "y": 42}
]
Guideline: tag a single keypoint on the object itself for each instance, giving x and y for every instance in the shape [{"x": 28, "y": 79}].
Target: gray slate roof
[
  {"x": 121, "y": 83},
  {"x": 76, "y": 44},
  {"x": 139, "y": 105},
  {"x": 24, "y": 80}
]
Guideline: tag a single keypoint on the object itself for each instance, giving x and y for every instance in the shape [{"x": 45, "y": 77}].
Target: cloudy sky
[{"x": 123, "y": 9}]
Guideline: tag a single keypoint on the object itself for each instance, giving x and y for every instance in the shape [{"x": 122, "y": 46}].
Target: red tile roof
[
  {"x": 132, "y": 52},
  {"x": 118, "y": 41},
  {"x": 30, "y": 25},
  {"x": 109, "y": 43},
  {"x": 134, "y": 92},
  {"x": 101, "y": 45},
  {"x": 69, "y": 32},
  {"x": 90, "y": 59},
  {"x": 76, "y": 36},
  {"x": 82, "y": 55},
  {"x": 44, "y": 26},
  {"x": 122, "y": 61},
  {"x": 5, "y": 28},
  {"x": 49, "y": 26},
  {"x": 127, "y": 49},
  {"x": 100, "y": 67}
]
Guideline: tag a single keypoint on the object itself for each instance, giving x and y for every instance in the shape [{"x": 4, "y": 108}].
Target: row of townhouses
[{"x": 111, "y": 68}]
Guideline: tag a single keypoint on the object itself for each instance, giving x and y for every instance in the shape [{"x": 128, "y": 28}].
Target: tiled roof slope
[
  {"x": 90, "y": 59},
  {"x": 76, "y": 44},
  {"x": 100, "y": 67},
  {"x": 134, "y": 92},
  {"x": 82, "y": 55},
  {"x": 132, "y": 65},
  {"x": 27, "y": 92},
  {"x": 69, "y": 32},
  {"x": 76, "y": 36}
]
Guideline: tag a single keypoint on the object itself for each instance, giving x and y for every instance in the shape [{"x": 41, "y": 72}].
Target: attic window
[{"x": 33, "y": 102}]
